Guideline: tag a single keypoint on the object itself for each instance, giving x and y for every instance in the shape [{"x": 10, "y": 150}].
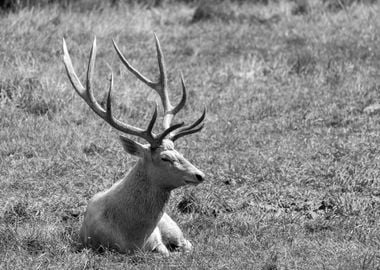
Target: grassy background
[{"x": 291, "y": 147}]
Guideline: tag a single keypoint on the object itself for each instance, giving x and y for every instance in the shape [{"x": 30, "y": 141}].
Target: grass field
[{"x": 291, "y": 147}]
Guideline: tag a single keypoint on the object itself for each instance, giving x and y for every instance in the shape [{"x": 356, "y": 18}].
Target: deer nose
[{"x": 200, "y": 177}]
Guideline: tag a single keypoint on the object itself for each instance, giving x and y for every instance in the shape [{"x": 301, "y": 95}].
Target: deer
[{"x": 130, "y": 216}]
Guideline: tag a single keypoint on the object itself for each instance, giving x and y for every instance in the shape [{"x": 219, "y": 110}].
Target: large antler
[
  {"x": 161, "y": 88},
  {"x": 106, "y": 114}
]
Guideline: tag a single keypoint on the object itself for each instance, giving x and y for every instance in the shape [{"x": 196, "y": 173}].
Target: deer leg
[
  {"x": 155, "y": 243},
  {"x": 172, "y": 235}
]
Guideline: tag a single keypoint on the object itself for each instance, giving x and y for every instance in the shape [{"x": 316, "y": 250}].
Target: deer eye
[{"x": 166, "y": 159}]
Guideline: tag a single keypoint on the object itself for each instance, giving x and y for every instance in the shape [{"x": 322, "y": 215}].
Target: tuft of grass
[{"x": 15, "y": 212}]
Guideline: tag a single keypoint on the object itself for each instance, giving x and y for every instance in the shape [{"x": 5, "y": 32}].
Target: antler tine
[
  {"x": 169, "y": 130},
  {"x": 189, "y": 129},
  {"x": 89, "y": 91},
  {"x": 182, "y": 103},
  {"x": 145, "y": 134},
  {"x": 88, "y": 97},
  {"x": 160, "y": 86},
  {"x": 132, "y": 69},
  {"x": 78, "y": 87},
  {"x": 85, "y": 93},
  {"x": 187, "y": 132},
  {"x": 152, "y": 121},
  {"x": 169, "y": 115},
  {"x": 169, "y": 110}
]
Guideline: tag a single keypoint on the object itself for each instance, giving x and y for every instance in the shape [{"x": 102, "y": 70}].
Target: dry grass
[{"x": 291, "y": 155}]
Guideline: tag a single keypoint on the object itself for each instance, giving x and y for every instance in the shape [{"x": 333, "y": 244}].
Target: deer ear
[{"x": 132, "y": 147}]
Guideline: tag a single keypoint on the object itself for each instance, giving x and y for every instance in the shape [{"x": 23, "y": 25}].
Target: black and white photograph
[{"x": 190, "y": 134}]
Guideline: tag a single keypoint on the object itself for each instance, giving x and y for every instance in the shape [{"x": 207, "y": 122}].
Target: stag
[{"x": 129, "y": 216}]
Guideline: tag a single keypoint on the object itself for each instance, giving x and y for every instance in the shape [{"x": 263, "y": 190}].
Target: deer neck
[{"x": 137, "y": 196}]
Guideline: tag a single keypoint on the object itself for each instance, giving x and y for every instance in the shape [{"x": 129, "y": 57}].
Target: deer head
[{"x": 161, "y": 161}]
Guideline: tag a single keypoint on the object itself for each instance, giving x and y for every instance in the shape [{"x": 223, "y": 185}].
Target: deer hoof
[
  {"x": 162, "y": 250},
  {"x": 187, "y": 246}
]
